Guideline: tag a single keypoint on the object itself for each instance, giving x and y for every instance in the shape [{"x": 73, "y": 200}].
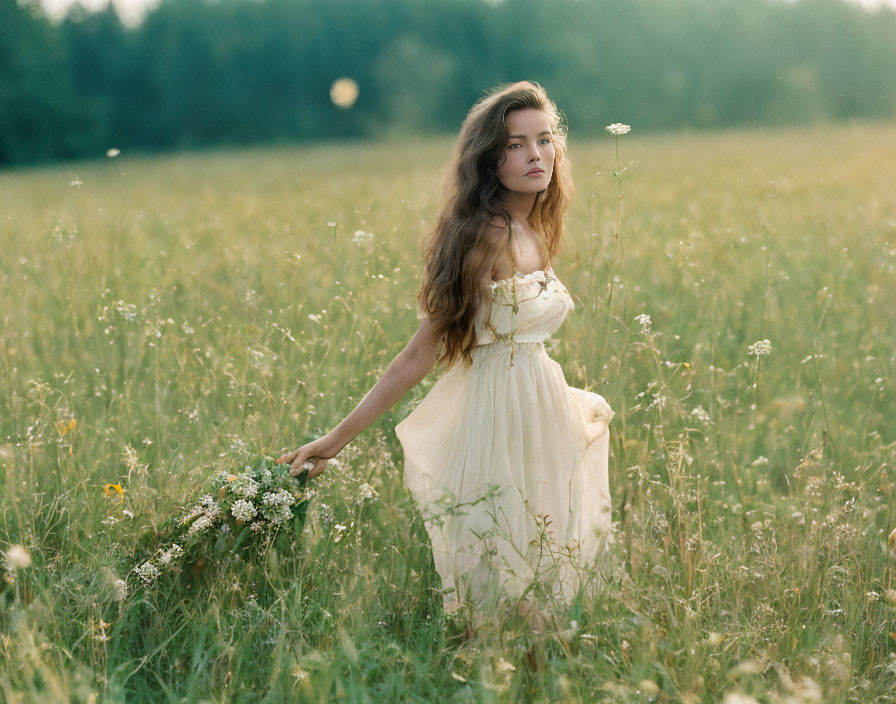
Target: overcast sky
[{"x": 131, "y": 11}]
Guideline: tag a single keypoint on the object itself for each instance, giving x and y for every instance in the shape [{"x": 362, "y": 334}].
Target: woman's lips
[{"x": 536, "y": 172}]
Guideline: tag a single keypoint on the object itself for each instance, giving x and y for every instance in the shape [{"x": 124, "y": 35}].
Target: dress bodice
[{"x": 524, "y": 308}]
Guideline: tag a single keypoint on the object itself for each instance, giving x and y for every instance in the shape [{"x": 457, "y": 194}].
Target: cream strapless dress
[{"x": 507, "y": 463}]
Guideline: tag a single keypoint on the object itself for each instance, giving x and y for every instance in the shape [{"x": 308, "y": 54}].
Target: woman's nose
[{"x": 535, "y": 155}]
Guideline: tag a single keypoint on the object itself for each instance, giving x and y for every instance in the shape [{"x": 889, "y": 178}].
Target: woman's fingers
[
  {"x": 288, "y": 457},
  {"x": 298, "y": 458},
  {"x": 320, "y": 464}
]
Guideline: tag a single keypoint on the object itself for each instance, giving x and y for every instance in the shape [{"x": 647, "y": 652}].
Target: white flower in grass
[
  {"x": 18, "y": 556},
  {"x": 281, "y": 497},
  {"x": 760, "y": 348},
  {"x": 280, "y": 515},
  {"x": 257, "y": 526},
  {"x": 701, "y": 415},
  {"x": 243, "y": 510},
  {"x": 120, "y": 589},
  {"x": 171, "y": 554},
  {"x": 361, "y": 238},
  {"x": 200, "y": 525},
  {"x": 367, "y": 491},
  {"x": 245, "y": 486},
  {"x": 148, "y": 572},
  {"x": 645, "y": 322},
  {"x": 617, "y": 129}
]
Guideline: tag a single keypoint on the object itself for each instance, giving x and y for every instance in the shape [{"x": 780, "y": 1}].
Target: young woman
[{"x": 507, "y": 462}]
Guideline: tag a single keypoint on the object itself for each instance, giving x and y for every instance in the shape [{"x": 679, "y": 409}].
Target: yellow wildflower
[
  {"x": 111, "y": 489},
  {"x": 63, "y": 428}
]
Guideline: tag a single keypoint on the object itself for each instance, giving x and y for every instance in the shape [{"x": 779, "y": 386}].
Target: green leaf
[{"x": 241, "y": 537}]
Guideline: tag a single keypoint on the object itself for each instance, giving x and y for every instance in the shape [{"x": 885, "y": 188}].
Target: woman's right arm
[{"x": 408, "y": 369}]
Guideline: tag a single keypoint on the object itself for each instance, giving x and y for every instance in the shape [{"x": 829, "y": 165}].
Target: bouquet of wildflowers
[{"x": 255, "y": 506}]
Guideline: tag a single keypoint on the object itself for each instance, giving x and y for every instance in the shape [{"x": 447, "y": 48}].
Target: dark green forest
[{"x": 196, "y": 73}]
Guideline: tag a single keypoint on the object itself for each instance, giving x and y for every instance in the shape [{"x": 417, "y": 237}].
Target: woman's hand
[{"x": 317, "y": 452}]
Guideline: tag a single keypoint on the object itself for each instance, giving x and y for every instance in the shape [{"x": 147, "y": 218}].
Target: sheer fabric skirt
[{"x": 509, "y": 466}]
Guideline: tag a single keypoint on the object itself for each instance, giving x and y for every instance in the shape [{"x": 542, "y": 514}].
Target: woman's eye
[
  {"x": 515, "y": 144},
  {"x": 546, "y": 140}
]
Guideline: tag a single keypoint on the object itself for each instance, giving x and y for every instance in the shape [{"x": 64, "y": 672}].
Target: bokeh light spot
[{"x": 344, "y": 92}]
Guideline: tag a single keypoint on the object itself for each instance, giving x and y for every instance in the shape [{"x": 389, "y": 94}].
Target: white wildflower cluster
[
  {"x": 645, "y": 322},
  {"x": 651, "y": 397},
  {"x": 119, "y": 589},
  {"x": 200, "y": 525},
  {"x": 362, "y": 239},
  {"x": 244, "y": 486},
  {"x": 243, "y": 510},
  {"x": 147, "y": 572},
  {"x": 204, "y": 511},
  {"x": 16, "y": 557},
  {"x": 151, "y": 570},
  {"x": 281, "y": 497},
  {"x": 209, "y": 506},
  {"x": 340, "y": 531},
  {"x": 658, "y": 401},
  {"x": 701, "y": 415},
  {"x": 278, "y": 506},
  {"x": 250, "y": 504},
  {"x": 367, "y": 492},
  {"x": 617, "y": 129},
  {"x": 128, "y": 311},
  {"x": 760, "y": 348},
  {"x": 171, "y": 555}
]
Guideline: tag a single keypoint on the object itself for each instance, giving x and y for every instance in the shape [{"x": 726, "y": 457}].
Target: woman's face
[{"x": 528, "y": 161}]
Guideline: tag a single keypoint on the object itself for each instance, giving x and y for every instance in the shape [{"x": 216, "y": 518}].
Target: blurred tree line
[{"x": 197, "y": 73}]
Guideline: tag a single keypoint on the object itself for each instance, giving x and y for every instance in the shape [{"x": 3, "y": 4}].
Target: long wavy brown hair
[{"x": 463, "y": 248}]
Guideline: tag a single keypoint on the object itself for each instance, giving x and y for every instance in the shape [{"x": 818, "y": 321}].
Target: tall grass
[{"x": 169, "y": 317}]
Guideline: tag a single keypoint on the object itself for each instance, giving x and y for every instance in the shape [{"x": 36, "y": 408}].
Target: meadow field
[{"x": 166, "y": 318}]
